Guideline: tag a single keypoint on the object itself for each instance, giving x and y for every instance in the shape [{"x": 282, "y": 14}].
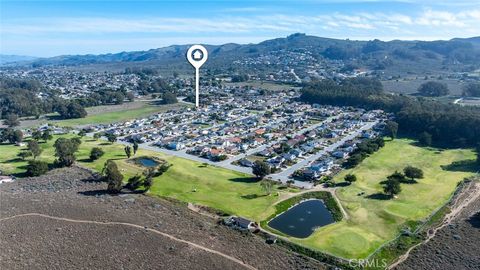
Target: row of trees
[
  {"x": 472, "y": 89},
  {"x": 363, "y": 150},
  {"x": 447, "y": 124}
]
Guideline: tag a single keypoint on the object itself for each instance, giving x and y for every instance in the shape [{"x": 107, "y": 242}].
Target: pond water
[
  {"x": 301, "y": 220},
  {"x": 147, "y": 162}
]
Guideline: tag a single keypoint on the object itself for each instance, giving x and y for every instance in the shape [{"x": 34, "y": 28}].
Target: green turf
[
  {"x": 116, "y": 116},
  {"x": 373, "y": 222},
  {"x": 215, "y": 187}
]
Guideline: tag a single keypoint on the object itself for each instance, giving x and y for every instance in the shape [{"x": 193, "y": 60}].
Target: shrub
[
  {"x": 37, "y": 168},
  {"x": 96, "y": 153}
]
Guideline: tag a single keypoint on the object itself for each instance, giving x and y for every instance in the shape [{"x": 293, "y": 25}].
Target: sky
[{"x": 50, "y": 28}]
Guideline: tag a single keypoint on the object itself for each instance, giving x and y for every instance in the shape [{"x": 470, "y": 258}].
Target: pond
[
  {"x": 301, "y": 220},
  {"x": 147, "y": 162}
]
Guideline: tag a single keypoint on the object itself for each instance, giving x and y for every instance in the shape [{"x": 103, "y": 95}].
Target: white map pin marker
[{"x": 197, "y": 56}]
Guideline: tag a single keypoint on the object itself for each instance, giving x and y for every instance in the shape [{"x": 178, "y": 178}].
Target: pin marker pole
[
  {"x": 197, "y": 87},
  {"x": 197, "y": 61}
]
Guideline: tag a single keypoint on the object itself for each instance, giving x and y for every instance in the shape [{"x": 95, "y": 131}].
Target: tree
[
  {"x": 71, "y": 110},
  {"x": 392, "y": 187},
  {"x": 397, "y": 176},
  {"x": 37, "y": 135},
  {"x": 37, "y": 168},
  {"x": 135, "y": 147},
  {"x": 350, "y": 178},
  {"x": 11, "y": 135},
  {"x": 82, "y": 133},
  {"x": 77, "y": 141},
  {"x": 152, "y": 172},
  {"x": 134, "y": 182},
  {"x": 65, "y": 151},
  {"x": 169, "y": 98},
  {"x": 413, "y": 173},
  {"x": 96, "y": 153},
  {"x": 34, "y": 148},
  {"x": 11, "y": 120},
  {"x": 260, "y": 169},
  {"x": 478, "y": 155},
  {"x": 266, "y": 186},
  {"x": 24, "y": 154},
  {"x": 97, "y": 135},
  {"x": 46, "y": 136},
  {"x": 130, "y": 96},
  {"x": 128, "y": 151},
  {"x": 113, "y": 177},
  {"x": 472, "y": 89},
  {"x": 17, "y": 136},
  {"x": 148, "y": 182},
  {"x": 433, "y": 89},
  {"x": 111, "y": 137},
  {"x": 392, "y": 129},
  {"x": 425, "y": 138}
]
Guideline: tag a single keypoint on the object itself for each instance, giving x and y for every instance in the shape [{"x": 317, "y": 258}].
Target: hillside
[{"x": 392, "y": 57}]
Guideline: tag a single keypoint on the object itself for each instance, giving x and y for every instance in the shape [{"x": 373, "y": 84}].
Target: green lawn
[
  {"x": 116, "y": 116},
  {"x": 373, "y": 222},
  {"x": 215, "y": 187}
]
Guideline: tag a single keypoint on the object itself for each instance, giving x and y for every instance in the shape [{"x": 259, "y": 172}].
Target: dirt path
[
  {"x": 233, "y": 259},
  {"x": 460, "y": 202}
]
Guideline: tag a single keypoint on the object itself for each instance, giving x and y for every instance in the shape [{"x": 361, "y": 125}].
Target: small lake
[
  {"x": 301, "y": 220},
  {"x": 147, "y": 162}
]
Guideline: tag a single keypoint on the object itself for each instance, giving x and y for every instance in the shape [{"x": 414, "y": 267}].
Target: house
[
  {"x": 340, "y": 154},
  {"x": 310, "y": 174},
  {"x": 176, "y": 146},
  {"x": 266, "y": 152},
  {"x": 259, "y": 141},
  {"x": 296, "y": 152},
  {"x": 241, "y": 224},
  {"x": 245, "y": 162},
  {"x": 260, "y": 131},
  {"x": 368, "y": 135},
  {"x": 307, "y": 148},
  {"x": 289, "y": 157},
  {"x": 6, "y": 179}
]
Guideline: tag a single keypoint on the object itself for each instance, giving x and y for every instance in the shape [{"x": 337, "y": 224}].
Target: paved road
[
  {"x": 284, "y": 175},
  {"x": 265, "y": 146}
]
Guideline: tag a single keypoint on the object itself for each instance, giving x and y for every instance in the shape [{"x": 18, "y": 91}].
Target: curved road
[{"x": 233, "y": 259}]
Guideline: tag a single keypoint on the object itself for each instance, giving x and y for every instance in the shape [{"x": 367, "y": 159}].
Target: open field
[
  {"x": 186, "y": 180},
  {"x": 373, "y": 221},
  {"x": 410, "y": 85},
  {"x": 105, "y": 114},
  {"x": 454, "y": 245}
]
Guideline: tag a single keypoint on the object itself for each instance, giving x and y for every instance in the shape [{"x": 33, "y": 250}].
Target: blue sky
[{"x": 49, "y": 28}]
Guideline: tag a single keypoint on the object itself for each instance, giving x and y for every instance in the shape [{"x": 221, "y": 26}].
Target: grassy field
[
  {"x": 105, "y": 114},
  {"x": 373, "y": 222},
  {"x": 411, "y": 85},
  {"x": 186, "y": 180}
]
